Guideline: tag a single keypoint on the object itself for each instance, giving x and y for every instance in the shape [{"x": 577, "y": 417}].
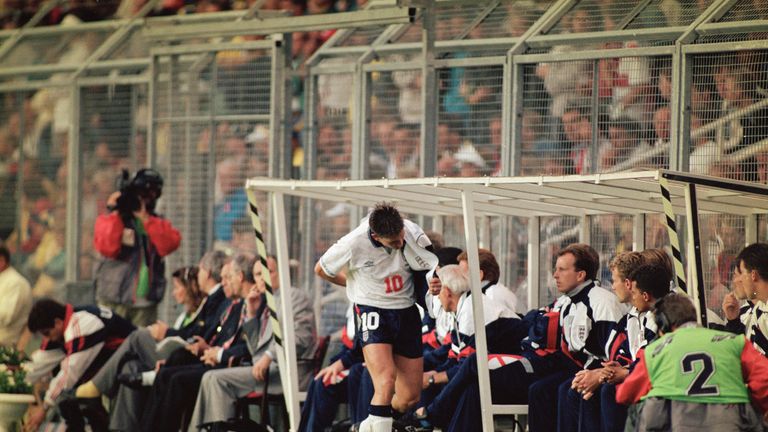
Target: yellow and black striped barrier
[
  {"x": 262, "y": 257},
  {"x": 674, "y": 240}
]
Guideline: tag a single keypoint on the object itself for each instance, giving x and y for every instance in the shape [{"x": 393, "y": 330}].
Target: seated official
[
  {"x": 220, "y": 388},
  {"x": 124, "y": 373}
]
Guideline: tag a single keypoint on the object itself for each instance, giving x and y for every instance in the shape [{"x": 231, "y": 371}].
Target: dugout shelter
[{"x": 679, "y": 196}]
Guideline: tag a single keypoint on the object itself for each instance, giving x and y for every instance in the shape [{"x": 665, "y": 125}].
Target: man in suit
[
  {"x": 222, "y": 387},
  {"x": 176, "y": 386}
]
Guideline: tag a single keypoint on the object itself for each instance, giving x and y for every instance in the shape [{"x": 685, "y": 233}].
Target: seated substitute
[
  {"x": 696, "y": 379},
  {"x": 79, "y": 341},
  {"x": 753, "y": 269},
  {"x": 590, "y": 402}
]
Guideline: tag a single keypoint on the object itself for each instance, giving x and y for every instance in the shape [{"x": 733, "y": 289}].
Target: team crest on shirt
[
  {"x": 365, "y": 336},
  {"x": 581, "y": 332}
]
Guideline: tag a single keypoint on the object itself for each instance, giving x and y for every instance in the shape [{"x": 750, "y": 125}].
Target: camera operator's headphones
[
  {"x": 147, "y": 179},
  {"x": 660, "y": 317}
]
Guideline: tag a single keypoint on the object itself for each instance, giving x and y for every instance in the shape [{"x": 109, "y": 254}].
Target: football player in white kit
[{"x": 376, "y": 262}]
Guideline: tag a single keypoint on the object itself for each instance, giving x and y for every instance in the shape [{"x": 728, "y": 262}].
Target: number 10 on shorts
[
  {"x": 369, "y": 321},
  {"x": 394, "y": 283}
]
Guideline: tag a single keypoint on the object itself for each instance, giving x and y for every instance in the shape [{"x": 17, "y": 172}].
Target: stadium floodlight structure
[{"x": 630, "y": 193}]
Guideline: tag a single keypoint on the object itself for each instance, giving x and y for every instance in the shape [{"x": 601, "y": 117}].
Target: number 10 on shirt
[{"x": 394, "y": 283}]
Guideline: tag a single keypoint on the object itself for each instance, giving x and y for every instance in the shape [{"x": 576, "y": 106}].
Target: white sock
[
  {"x": 148, "y": 378},
  {"x": 380, "y": 424},
  {"x": 366, "y": 425}
]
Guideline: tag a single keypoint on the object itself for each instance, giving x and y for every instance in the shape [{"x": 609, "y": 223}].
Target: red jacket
[{"x": 121, "y": 246}]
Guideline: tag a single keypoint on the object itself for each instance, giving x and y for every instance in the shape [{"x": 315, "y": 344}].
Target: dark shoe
[
  {"x": 411, "y": 423},
  {"x": 132, "y": 380}
]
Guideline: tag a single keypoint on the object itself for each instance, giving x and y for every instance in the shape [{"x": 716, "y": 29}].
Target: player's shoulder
[
  {"x": 414, "y": 232},
  {"x": 412, "y": 226}
]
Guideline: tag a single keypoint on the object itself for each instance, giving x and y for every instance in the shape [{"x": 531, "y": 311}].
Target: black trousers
[{"x": 172, "y": 398}]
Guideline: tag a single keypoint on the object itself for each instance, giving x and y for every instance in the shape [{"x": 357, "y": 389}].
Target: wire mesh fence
[
  {"x": 588, "y": 116},
  {"x": 394, "y": 126},
  {"x": 510, "y": 19},
  {"x": 555, "y": 232},
  {"x": 729, "y": 114},
  {"x": 469, "y": 121},
  {"x": 110, "y": 141},
  {"x": 33, "y": 199},
  {"x": 722, "y": 237}
]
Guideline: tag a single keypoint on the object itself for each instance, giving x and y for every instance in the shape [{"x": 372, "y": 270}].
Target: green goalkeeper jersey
[{"x": 695, "y": 364}]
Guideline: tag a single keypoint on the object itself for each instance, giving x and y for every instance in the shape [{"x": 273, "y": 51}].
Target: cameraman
[{"x": 133, "y": 240}]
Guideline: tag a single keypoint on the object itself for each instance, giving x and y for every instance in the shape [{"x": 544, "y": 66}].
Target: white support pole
[
  {"x": 288, "y": 367},
  {"x": 481, "y": 346},
  {"x": 534, "y": 252},
  {"x": 585, "y": 229},
  {"x": 485, "y": 232},
  {"x": 638, "y": 232}
]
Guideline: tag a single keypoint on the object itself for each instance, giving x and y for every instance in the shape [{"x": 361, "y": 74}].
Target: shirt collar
[
  {"x": 579, "y": 288},
  {"x": 374, "y": 242}
]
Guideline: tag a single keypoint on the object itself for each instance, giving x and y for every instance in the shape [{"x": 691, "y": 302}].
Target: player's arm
[
  {"x": 636, "y": 385},
  {"x": 754, "y": 367},
  {"x": 338, "y": 279}
]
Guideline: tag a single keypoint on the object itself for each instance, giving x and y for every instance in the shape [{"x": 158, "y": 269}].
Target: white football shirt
[{"x": 376, "y": 276}]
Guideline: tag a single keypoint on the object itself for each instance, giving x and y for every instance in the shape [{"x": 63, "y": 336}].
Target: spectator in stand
[
  {"x": 448, "y": 143},
  {"x": 737, "y": 85},
  {"x": 732, "y": 376},
  {"x": 233, "y": 201},
  {"x": 577, "y": 125},
  {"x": 134, "y": 240},
  {"x": 704, "y": 150},
  {"x": 624, "y": 144},
  {"x": 16, "y": 304}
]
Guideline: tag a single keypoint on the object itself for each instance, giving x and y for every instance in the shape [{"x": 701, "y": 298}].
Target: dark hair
[
  {"x": 755, "y": 257},
  {"x": 188, "y": 278},
  {"x": 488, "y": 264},
  {"x": 448, "y": 255},
  {"x": 673, "y": 310},
  {"x": 213, "y": 262},
  {"x": 660, "y": 257},
  {"x": 652, "y": 279},
  {"x": 385, "y": 221},
  {"x": 587, "y": 259},
  {"x": 44, "y": 314},
  {"x": 5, "y": 253}
]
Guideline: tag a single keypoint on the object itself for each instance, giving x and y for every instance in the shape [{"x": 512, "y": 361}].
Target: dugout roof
[{"x": 575, "y": 195}]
